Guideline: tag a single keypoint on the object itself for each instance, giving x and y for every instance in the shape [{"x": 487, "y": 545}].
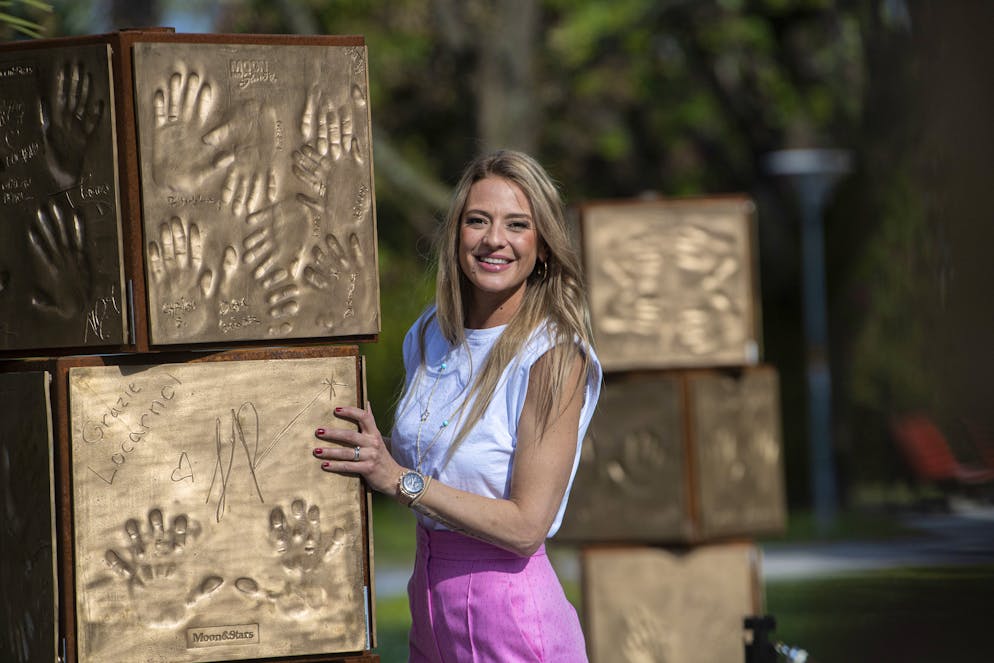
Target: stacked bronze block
[
  {"x": 168, "y": 198},
  {"x": 682, "y": 463},
  {"x": 666, "y": 604}
]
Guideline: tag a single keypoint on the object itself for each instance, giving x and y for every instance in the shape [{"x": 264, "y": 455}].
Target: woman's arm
[{"x": 541, "y": 471}]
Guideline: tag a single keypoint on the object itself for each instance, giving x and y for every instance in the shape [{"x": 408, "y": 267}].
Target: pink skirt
[{"x": 472, "y": 602}]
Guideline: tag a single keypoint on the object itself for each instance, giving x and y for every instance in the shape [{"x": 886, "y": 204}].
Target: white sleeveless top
[{"x": 483, "y": 462}]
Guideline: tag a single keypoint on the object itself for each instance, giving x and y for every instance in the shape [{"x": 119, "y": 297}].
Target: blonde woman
[{"x": 501, "y": 384}]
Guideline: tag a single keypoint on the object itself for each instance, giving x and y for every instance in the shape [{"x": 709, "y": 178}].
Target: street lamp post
[{"x": 813, "y": 173}]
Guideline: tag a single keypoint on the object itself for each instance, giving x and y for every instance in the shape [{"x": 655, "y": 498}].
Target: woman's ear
[{"x": 543, "y": 251}]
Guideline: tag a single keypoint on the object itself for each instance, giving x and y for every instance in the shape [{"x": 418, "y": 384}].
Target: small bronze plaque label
[{"x": 212, "y": 636}]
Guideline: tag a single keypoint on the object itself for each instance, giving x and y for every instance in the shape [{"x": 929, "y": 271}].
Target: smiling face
[{"x": 498, "y": 247}]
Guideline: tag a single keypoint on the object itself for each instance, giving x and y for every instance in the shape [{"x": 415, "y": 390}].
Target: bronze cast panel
[
  {"x": 204, "y": 529},
  {"x": 739, "y": 447},
  {"x": 61, "y": 271},
  {"x": 27, "y": 501},
  {"x": 257, "y": 191},
  {"x": 631, "y": 484},
  {"x": 651, "y": 604},
  {"x": 672, "y": 283}
]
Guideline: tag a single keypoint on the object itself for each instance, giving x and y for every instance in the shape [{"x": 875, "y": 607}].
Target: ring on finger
[{"x": 355, "y": 455}]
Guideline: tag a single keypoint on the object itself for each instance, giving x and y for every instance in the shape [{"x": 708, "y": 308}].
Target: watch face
[{"x": 413, "y": 483}]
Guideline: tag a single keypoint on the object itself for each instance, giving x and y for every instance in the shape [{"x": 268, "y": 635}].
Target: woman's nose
[{"x": 495, "y": 236}]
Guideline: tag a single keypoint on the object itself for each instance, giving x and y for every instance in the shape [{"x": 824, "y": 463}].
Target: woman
[{"x": 501, "y": 383}]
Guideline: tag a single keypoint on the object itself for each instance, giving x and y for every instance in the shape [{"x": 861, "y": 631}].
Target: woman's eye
[
  {"x": 518, "y": 226},
  {"x": 475, "y": 221}
]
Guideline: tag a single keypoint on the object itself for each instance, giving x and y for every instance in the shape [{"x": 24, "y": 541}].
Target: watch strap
[{"x": 424, "y": 489}]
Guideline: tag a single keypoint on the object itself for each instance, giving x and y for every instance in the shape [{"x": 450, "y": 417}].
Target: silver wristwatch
[{"x": 412, "y": 485}]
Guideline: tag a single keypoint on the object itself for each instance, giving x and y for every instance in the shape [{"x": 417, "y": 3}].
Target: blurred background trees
[{"x": 678, "y": 97}]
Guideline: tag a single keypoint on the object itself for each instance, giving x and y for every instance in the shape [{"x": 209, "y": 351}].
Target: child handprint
[
  {"x": 183, "y": 154},
  {"x": 272, "y": 250},
  {"x": 331, "y": 161},
  {"x": 248, "y": 193},
  {"x": 642, "y": 457},
  {"x": 182, "y": 283},
  {"x": 68, "y": 123},
  {"x": 246, "y": 135},
  {"x": 301, "y": 547},
  {"x": 162, "y": 596},
  {"x": 57, "y": 240},
  {"x": 337, "y": 272},
  {"x": 330, "y": 263}
]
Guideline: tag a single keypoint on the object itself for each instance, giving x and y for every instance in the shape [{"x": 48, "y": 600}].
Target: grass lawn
[{"x": 921, "y": 615}]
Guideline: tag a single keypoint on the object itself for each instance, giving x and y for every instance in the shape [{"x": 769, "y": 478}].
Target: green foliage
[{"x": 12, "y": 20}]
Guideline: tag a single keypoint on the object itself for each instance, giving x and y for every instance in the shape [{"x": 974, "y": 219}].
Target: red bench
[{"x": 927, "y": 452}]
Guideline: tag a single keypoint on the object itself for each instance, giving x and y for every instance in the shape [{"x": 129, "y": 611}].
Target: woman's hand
[{"x": 363, "y": 452}]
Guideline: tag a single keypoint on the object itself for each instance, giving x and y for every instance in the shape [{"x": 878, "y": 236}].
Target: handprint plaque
[
  {"x": 28, "y": 616},
  {"x": 654, "y": 605},
  {"x": 740, "y": 451},
  {"x": 202, "y": 531},
  {"x": 673, "y": 283},
  {"x": 61, "y": 268},
  {"x": 267, "y": 150},
  {"x": 631, "y": 482},
  {"x": 681, "y": 457}
]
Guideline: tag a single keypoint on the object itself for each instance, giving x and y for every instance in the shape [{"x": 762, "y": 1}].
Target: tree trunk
[{"x": 508, "y": 111}]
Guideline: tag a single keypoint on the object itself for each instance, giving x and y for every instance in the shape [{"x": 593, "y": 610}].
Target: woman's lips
[{"x": 493, "y": 263}]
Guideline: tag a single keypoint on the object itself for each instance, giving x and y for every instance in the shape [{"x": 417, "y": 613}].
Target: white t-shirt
[{"x": 482, "y": 464}]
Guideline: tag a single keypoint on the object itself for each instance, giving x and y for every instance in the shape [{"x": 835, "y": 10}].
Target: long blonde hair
[{"x": 553, "y": 293}]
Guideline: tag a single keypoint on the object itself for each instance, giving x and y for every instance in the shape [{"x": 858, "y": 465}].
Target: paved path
[{"x": 963, "y": 537}]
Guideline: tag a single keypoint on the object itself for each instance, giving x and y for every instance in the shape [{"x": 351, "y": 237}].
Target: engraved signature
[
  {"x": 246, "y": 416},
  {"x": 98, "y": 315}
]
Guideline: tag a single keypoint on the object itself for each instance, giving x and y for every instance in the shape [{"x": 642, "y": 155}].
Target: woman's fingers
[
  {"x": 361, "y": 452},
  {"x": 349, "y": 437},
  {"x": 363, "y": 417}
]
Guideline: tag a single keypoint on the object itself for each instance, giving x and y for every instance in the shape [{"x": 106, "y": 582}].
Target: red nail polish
[
  {"x": 317, "y": 452},
  {"x": 338, "y": 409},
  {"x": 319, "y": 431},
  {"x": 325, "y": 465}
]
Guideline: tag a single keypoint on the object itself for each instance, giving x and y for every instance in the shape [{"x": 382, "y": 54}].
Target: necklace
[{"x": 425, "y": 413}]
